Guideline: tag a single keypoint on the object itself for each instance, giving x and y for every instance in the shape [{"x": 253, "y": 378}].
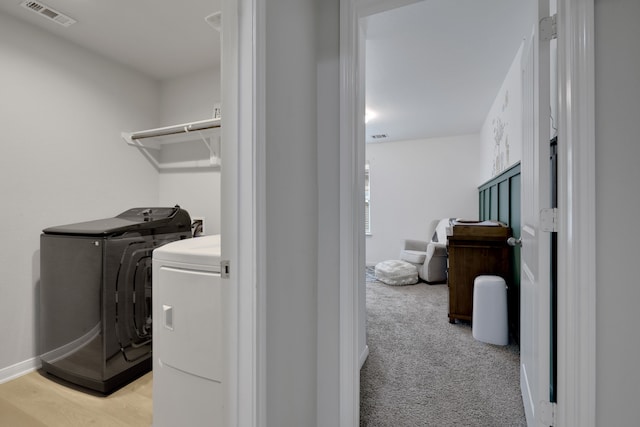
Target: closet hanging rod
[{"x": 176, "y": 129}]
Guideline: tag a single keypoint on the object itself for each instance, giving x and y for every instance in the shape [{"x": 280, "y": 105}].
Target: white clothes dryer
[{"x": 188, "y": 368}]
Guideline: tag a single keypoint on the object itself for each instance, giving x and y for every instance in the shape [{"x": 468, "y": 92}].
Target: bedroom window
[{"x": 367, "y": 202}]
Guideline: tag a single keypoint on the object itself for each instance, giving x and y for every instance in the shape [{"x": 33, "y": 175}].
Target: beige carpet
[{"x": 424, "y": 371}]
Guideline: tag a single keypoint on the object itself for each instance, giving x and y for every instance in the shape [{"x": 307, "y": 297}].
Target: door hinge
[
  {"x": 547, "y": 413},
  {"x": 549, "y": 220},
  {"x": 548, "y": 28},
  {"x": 224, "y": 269}
]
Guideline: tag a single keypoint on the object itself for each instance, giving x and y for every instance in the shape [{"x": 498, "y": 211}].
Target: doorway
[
  {"x": 436, "y": 140},
  {"x": 576, "y": 378}
]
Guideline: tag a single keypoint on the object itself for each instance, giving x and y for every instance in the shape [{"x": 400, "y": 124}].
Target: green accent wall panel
[
  {"x": 493, "y": 195},
  {"x": 500, "y": 200}
]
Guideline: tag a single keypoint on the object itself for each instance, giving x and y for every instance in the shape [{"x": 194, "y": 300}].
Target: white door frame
[
  {"x": 243, "y": 208},
  {"x": 576, "y": 200},
  {"x": 351, "y": 248},
  {"x": 577, "y": 210},
  {"x": 352, "y": 158}
]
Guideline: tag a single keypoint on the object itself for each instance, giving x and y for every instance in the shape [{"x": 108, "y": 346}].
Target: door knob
[{"x": 512, "y": 241}]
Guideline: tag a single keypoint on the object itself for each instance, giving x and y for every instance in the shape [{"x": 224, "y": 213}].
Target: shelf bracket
[{"x": 213, "y": 146}]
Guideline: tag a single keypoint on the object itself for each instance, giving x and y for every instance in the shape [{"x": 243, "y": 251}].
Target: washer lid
[
  {"x": 142, "y": 220},
  {"x": 203, "y": 250}
]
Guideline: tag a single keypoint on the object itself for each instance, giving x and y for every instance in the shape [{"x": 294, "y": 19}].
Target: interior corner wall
[
  {"x": 328, "y": 161},
  {"x": 617, "y": 151},
  {"x": 414, "y": 182},
  {"x": 501, "y": 133},
  {"x": 189, "y": 98},
  {"x": 63, "y": 161},
  {"x": 291, "y": 210}
]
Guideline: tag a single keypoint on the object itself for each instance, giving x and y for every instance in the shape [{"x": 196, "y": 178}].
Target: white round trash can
[{"x": 490, "y": 318}]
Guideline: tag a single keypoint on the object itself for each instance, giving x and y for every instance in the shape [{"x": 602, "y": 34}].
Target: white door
[{"x": 535, "y": 283}]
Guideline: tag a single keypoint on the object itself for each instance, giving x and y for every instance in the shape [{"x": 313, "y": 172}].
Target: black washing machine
[{"x": 95, "y": 295}]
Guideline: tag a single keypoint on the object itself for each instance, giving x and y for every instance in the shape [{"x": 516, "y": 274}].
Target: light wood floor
[{"x": 35, "y": 401}]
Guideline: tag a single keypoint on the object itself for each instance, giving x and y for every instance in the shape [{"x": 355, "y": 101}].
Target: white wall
[
  {"x": 292, "y": 218},
  {"x": 185, "y": 99},
  {"x": 328, "y": 155},
  {"x": 190, "y": 97},
  {"x": 414, "y": 182},
  {"x": 62, "y": 109},
  {"x": 617, "y": 66},
  {"x": 501, "y": 133}
]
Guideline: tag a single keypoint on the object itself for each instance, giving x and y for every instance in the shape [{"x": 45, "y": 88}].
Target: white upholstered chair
[{"x": 430, "y": 257}]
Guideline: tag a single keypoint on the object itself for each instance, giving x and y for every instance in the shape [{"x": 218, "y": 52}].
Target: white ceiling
[
  {"x": 161, "y": 38},
  {"x": 434, "y": 68}
]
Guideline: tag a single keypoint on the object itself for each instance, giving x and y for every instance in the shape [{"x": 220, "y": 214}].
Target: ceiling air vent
[
  {"x": 49, "y": 13},
  {"x": 379, "y": 136}
]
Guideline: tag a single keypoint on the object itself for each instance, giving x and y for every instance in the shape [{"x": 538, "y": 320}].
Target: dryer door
[{"x": 190, "y": 330}]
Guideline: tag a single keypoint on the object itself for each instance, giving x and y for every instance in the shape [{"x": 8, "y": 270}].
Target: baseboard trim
[
  {"x": 364, "y": 355},
  {"x": 19, "y": 369}
]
